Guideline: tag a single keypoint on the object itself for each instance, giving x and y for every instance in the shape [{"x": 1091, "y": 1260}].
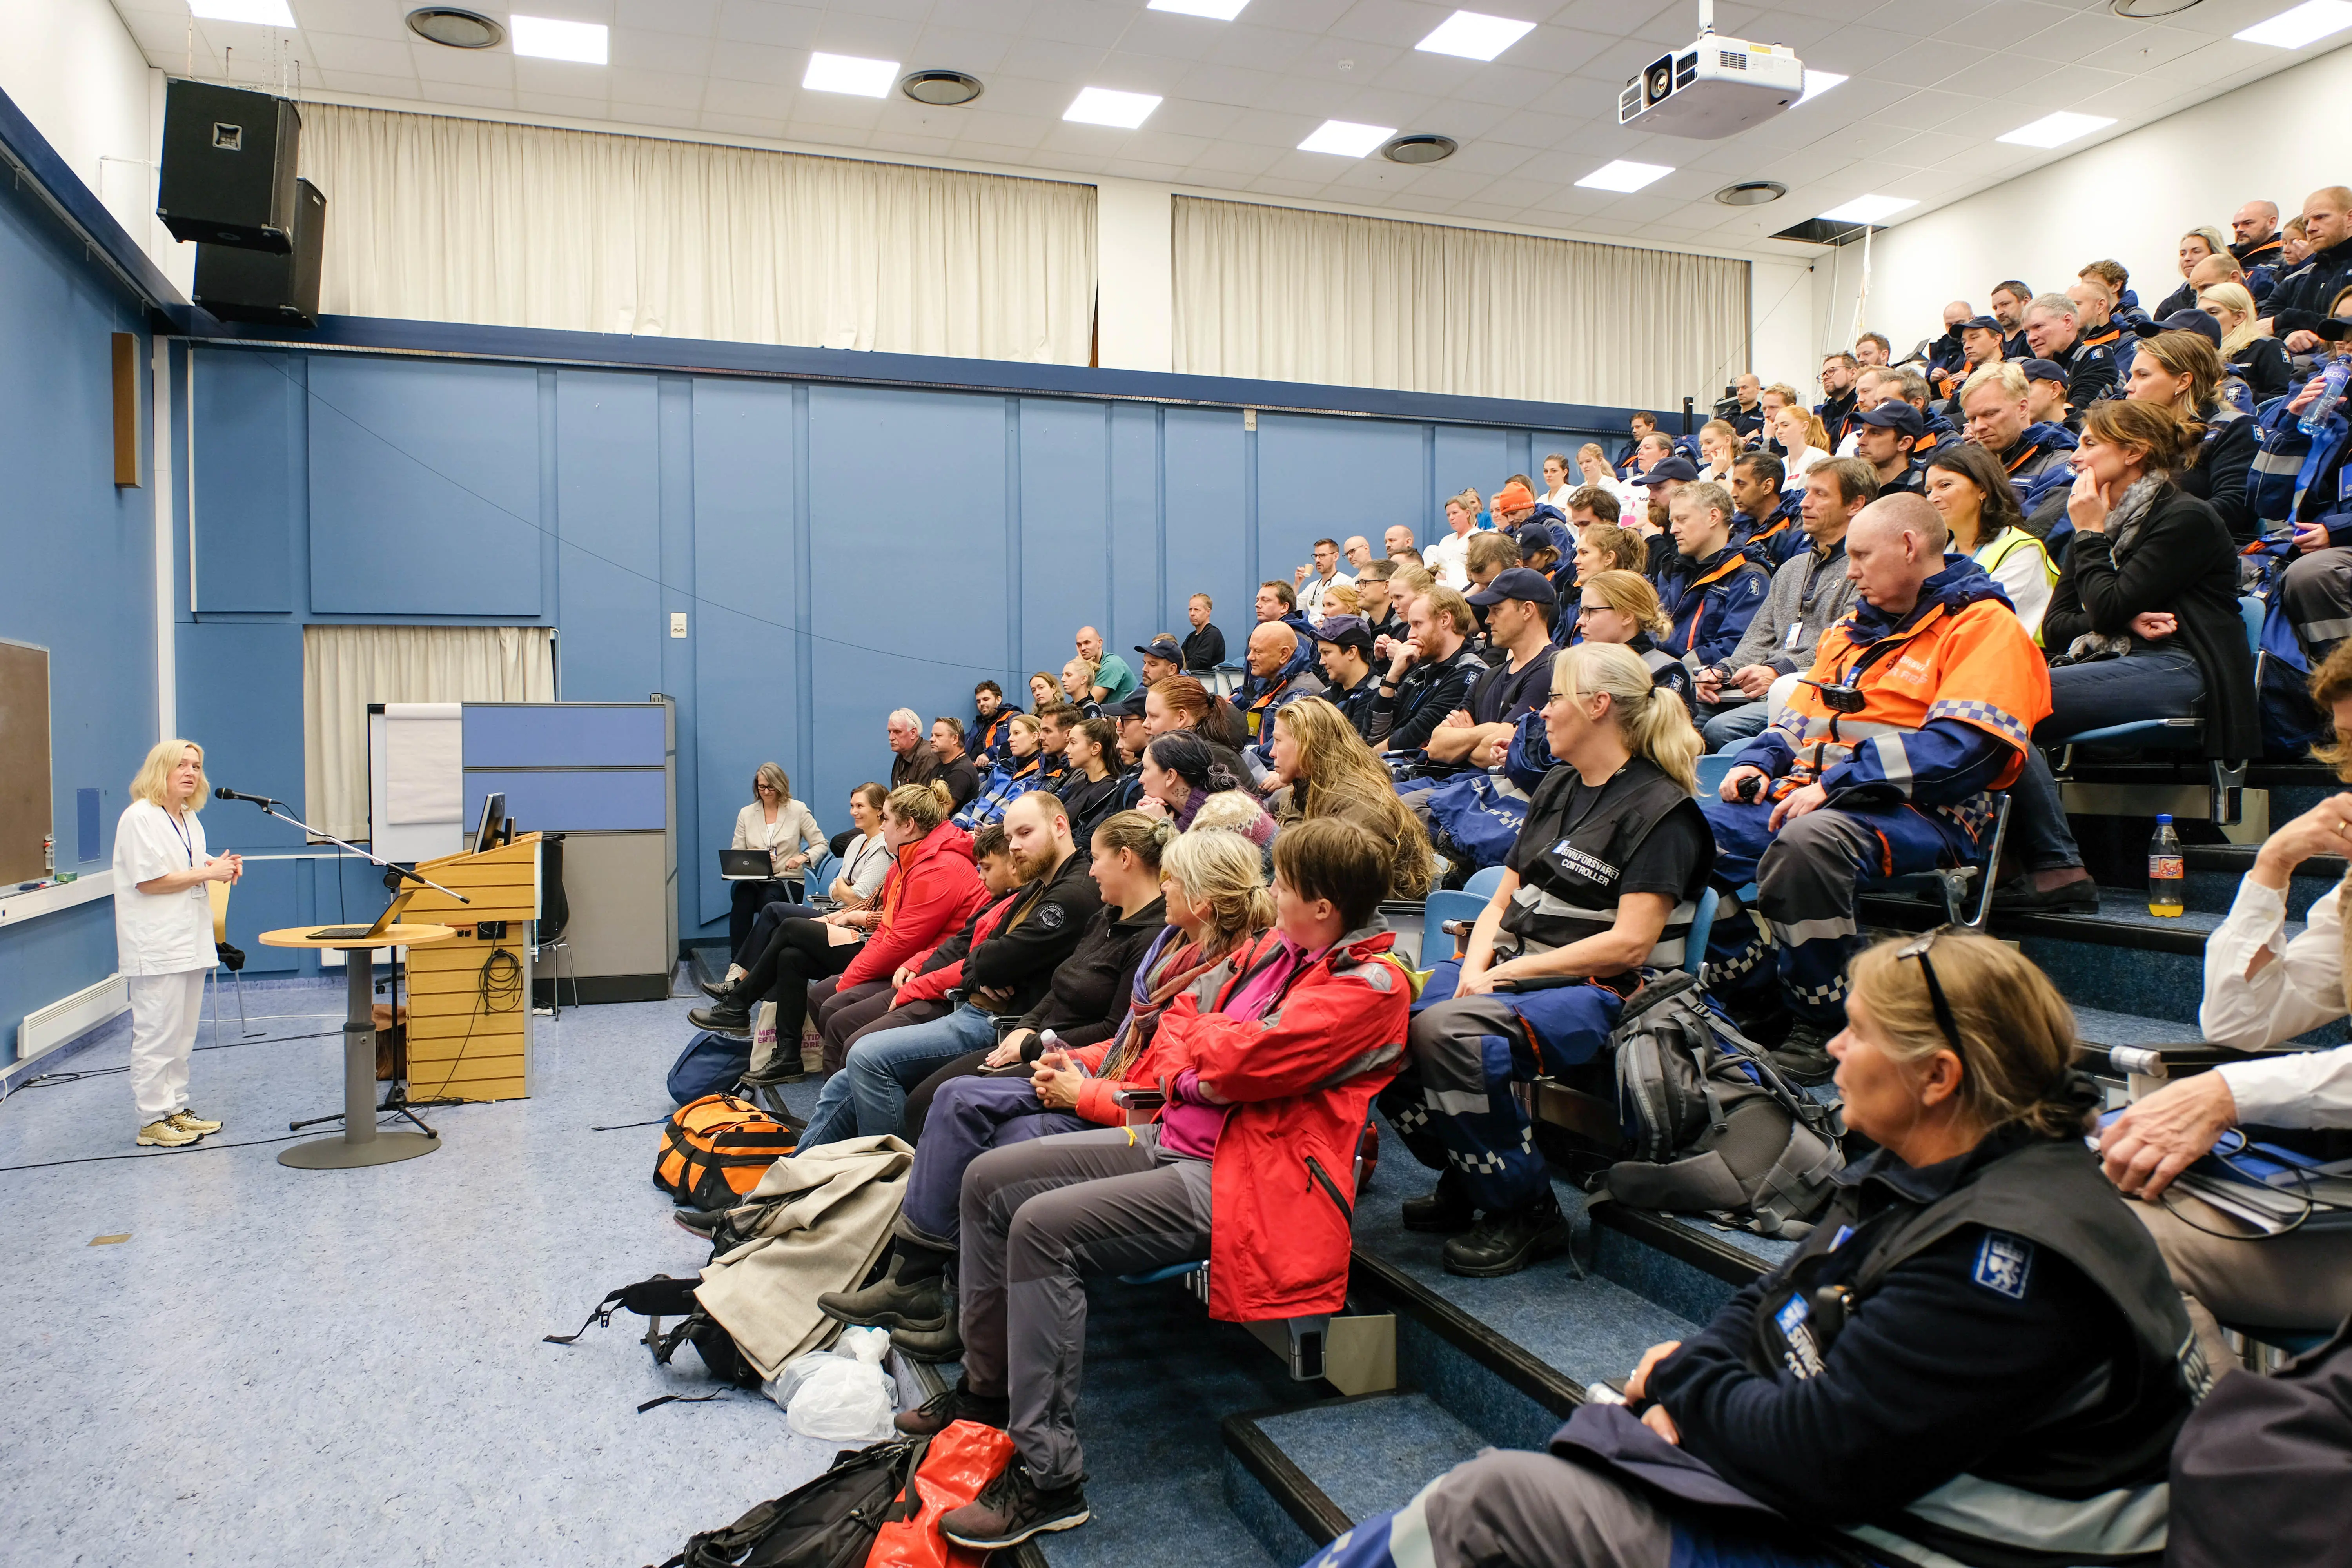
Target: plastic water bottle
[
  {"x": 2332, "y": 380},
  {"x": 2167, "y": 872}
]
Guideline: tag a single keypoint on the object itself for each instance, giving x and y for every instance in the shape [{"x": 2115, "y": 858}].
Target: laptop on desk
[
  {"x": 745, "y": 865},
  {"x": 389, "y": 917}
]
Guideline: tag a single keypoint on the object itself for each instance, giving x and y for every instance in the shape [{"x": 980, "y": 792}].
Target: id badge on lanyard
[{"x": 1796, "y": 638}]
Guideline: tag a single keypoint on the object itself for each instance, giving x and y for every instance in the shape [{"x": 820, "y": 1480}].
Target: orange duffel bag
[{"x": 715, "y": 1149}]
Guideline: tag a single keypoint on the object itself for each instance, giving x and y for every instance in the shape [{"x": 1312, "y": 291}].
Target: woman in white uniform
[{"x": 164, "y": 933}]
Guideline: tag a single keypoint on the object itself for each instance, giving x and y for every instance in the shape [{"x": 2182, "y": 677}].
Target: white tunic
[{"x": 160, "y": 933}]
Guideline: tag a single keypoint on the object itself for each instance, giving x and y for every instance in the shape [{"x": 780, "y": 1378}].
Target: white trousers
[{"x": 164, "y": 1011}]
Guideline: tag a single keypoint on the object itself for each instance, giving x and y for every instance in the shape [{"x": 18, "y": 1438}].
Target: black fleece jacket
[
  {"x": 1045, "y": 924},
  {"x": 1090, "y": 990}
]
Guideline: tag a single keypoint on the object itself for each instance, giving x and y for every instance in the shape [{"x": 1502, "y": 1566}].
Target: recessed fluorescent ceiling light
[
  {"x": 2306, "y": 24},
  {"x": 2056, "y": 129},
  {"x": 1869, "y": 209},
  {"x": 1217, "y": 10},
  {"x": 543, "y": 39},
  {"x": 1347, "y": 138},
  {"x": 1621, "y": 175},
  {"x": 1475, "y": 36},
  {"x": 265, "y": 12},
  {"x": 1816, "y": 84},
  {"x": 847, "y": 73},
  {"x": 1104, "y": 106}
]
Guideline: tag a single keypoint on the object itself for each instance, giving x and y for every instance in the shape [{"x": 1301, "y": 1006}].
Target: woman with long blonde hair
[
  {"x": 1323, "y": 768},
  {"x": 2259, "y": 362},
  {"x": 1599, "y": 889},
  {"x": 163, "y": 933}
]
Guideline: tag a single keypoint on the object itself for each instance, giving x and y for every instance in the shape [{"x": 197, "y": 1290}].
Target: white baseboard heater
[{"x": 46, "y": 1028}]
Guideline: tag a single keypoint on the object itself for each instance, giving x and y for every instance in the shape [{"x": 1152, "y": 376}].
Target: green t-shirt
[{"x": 1114, "y": 678}]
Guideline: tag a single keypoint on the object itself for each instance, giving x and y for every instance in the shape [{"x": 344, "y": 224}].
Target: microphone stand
[{"x": 395, "y": 1098}]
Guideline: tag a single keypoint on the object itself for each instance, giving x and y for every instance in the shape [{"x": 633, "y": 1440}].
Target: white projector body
[{"x": 1717, "y": 87}]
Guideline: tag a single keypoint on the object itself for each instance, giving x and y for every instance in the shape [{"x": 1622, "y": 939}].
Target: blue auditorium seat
[{"x": 2228, "y": 778}]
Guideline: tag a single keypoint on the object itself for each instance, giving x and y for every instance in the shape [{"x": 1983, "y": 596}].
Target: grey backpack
[{"x": 1710, "y": 1126}]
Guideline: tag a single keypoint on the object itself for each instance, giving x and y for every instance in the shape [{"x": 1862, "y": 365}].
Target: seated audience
[
  {"x": 1449, "y": 559},
  {"x": 1322, "y": 768},
  {"x": 1712, "y": 591},
  {"x": 1340, "y": 600},
  {"x": 2262, "y": 989},
  {"x": 1357, "y": 552},
  {"x": 1021, "y": 772},
  {"x": 1886, "y": 437},
  {"x": 929, "y": 891},
  {"x": 2054, "y": 329},
  {"x": 991, "y": 726},
  {"x": 2007, "y": 303},
  {"x": 1658, "y": 484},
  {"x": 1810, "y": 593},
  {"x": 1763, "y": 513},
  {"x": 1096, "y": 786},
  {"x": 955, "y": 768},
  {"x": 2258, "y": 361},
  {"x": 1179, "y": 772},
  {"x": 1804, "y": 442},
  {"x": 1981, "y": 344},
  {"x": 1007, "y": 974},
  {"x": 1746, "y": 416},
  {"x": 1718, "y": 449},
  {"x": 1343, "y": 644},
  {"x": 1204, "y": 645},
  {"x": 1281, "y": 671},
  {"x": 1600, "y": 883},
  {"x": 1269, "y": 1102},
  {"x": 1078, "y": 686},
  {"x": 2317, "y": 584},
  {"x": 1113, "y": 681},
  {"x": 1055, "y": 721},
  {"x": 1873, "y": 348},
  {"x": 1276, "y": 602},
  {"x": 1620, "y": 608},
  {"x": 1974, "y": 1358},
  {"x": 1943, "y": 687},
  {"x": 1945, "y": 352},
  {"x": 1375, "y": 600},
  {"x": 1519, "y": 605},
  {"x": 1836, "y": 408},
  {"x": 787, "y": 830},
  {"x": 865, "y": 860},
  {"x": 1605, "y": 547},
  {"x": 2035, "y": 457},
  {"x": 1043, "y": 690},
  {"x": 1217, "y": 903},
  {"x": 1185, "y": 704},
  {"x": 2180, "y": 365},
  {"x": 1429, "y": 674},
  {"x": 1556, "y": 474},
  {"x": 2307, "y": 288},
  {"x": 1979, "y": 506},
  {"x": 2255, "y": 239},
  {"x": 1600, "y": 478},
  {"x": 912, "y": 760},
  {"x": 1490, "y": 553},
  {"x": 2046, "y": 394},
  {"x": 2144, "y": 624},
  {"x": 1313, "y": 581},
  {"x": 1395, "y": 538},
  {"x": 1162, "y": 659},
  {"x": 2200, "y": 244}
]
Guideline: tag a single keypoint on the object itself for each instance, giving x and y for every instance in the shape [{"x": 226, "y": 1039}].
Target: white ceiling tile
[
  {"x": 1403, "y": 23},
  {"x": 959, "y": 49},
  {"x": 699, "y": 17},
  {"x": 342, "y": 52},
  {"x": 835, "y": 108},
  {"x": 471, "y": 97},
  {"x": 643, "y": 50},
  {"x": 913, "y": 145},
  {"x": 358, "y": 18},
  {"x": 1927, "y": 63},
  {"x": 364, "y": 82},
  {"x": 759, "y": 63},
  {"x": 473, "y": 68},
  {"x": 866, "y": 36},
  {"x": 765, "y": 22},
  {"x": 569, "y": 77},
  {"x": 1099, "y": 22},
  {"x": 669, "y": 90},
  {"x": 756, "y": 100},
  {"x": 1049, "y": 59},
  {"x": 1223, "y": 159},
  {"x": 1922, "y": 21},
  {"x": 1297, "y": 190},
  {"x": 573, "y": 10},
  {"x": 1171, "y": 36},
  {"x": 1141, "y": 73},
  {"x": 1230, "y": 84},
  {"x": 979, "y": 125}
]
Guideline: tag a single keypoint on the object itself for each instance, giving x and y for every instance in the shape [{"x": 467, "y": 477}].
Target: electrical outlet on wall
[{"x": 678, "y": 623}]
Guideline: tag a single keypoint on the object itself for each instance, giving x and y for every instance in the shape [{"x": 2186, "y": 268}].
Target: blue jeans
[
  {"x": 2153, "y": 685},
  {"x": 868, "y": 1095},
  {"x": 1731, "y": 726}
]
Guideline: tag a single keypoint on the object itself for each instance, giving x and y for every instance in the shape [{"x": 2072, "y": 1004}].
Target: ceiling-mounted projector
[{"x": 1717, "y": 87}]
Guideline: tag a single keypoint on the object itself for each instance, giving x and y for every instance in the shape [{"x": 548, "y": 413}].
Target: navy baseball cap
[
  {"x": 1162, "y": 646},
  {"x": 1987, "y": 323},
  {"x": 2182, "y": 321},
  {"x": 1348, "y": 631},
  {"x": 1668, "y": 468},
  {"x": 1897, "y": 416},
  {"x": 2045, "y": 370},
  {"x": 1519, "y": 583},
  {"x": 1126, "y": 707}
]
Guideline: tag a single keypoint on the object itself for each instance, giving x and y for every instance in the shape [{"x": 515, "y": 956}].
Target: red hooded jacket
[
  {"x": 930, "y": 892},
  {"x": 935, "y": 983},
  {"x": 1301, "y": 1081}
]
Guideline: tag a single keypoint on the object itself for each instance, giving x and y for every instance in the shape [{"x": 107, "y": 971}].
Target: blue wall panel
[
  {"x": 1067, "y": 553},
  {"x": 1319, "y": 477},
  {"x": 1138, "y": 589},
  {"x": 561, "y": 735},
  {"x": 746, "y": 659},
  {"x": 1467, "y": 459},
  {"x": 601, "y": 801},
  {"x": 241, "y": 698},
  {"x": 910, "y": 599},
  {"x": 1206, "y": 506},
  {"x": 250, "y": 481},
  {"x": 607, "y": 463},
  {"x": 426, "y": 479}
]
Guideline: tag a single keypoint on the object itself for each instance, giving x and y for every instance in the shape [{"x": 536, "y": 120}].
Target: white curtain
[
  {"x": 1286, "y": 295},
  {"x": 344, "y": 669},
  {"x": 435, "y": 218}
]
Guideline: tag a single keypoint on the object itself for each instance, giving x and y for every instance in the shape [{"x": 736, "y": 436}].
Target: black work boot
[
  {"x": 1803, "y": 1058},
  {"x": 1446, "y": 1211},
  {"x": 891, "y": 1301},
  {"x": 722, "y": 1018},
  {"x": 1503, "y": 1244},
  {"x": 939, "y": 1344},
  {"x": 943, "y": 1410}
]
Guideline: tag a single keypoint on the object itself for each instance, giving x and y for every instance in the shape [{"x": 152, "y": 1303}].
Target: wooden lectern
[{"x": 469, "y": 999}]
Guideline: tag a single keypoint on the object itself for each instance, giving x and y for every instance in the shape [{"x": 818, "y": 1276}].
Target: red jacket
[
  {"x": 930, "y": 892},
  {"x": 1301, "y": 1081},
  {"x": 933, "y": 984}
]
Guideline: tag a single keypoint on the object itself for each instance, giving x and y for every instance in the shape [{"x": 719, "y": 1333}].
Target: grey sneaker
[{"x": 1011, "y": 1510}]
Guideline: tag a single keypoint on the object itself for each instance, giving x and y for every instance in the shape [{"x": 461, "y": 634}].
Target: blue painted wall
[
  {"x": 839, "y": 551},
  {"x": 75, "y": 558}
]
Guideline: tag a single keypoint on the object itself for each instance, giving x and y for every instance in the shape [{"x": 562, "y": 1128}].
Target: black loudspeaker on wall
[
  {"x": 255, "y": 286},
  {"x": 227, "y": 177}
]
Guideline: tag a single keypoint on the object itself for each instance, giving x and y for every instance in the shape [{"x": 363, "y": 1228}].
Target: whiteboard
[{"x": 417, "y": 780}]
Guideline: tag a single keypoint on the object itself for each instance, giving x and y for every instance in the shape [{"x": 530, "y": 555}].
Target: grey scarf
[{"x": 2123, "y": 537}]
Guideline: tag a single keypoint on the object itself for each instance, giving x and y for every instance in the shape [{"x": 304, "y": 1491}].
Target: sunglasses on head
[{"x": 1917, "y": 947}]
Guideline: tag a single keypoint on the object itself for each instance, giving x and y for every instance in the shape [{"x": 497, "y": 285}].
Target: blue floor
[
  {"x": 322, "y": 1368},
  {"x": 1414, "y": 1438}
]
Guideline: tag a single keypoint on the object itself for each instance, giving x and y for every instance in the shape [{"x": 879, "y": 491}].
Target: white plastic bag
[{"x": 842, "y": 1394}]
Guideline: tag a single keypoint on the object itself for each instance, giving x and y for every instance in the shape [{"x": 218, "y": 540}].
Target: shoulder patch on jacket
[
  {"x": 2004, "y": 1262},
  {"x": 1050, "y": 917}
]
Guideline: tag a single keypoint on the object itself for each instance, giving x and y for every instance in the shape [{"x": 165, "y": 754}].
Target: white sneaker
[
  {"x": 165, "y": 1134},
  {"x": 187, "y": 1121}
]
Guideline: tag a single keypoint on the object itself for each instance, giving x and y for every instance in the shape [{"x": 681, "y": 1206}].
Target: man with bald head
[
  {"x": 1281, "y": 671},
  {"x": 2254, "y": 242},
  {"x": 2301, "y": 299},
  {"x": 1932, "y": 688},
  {"x": 1946, "y": 353}
]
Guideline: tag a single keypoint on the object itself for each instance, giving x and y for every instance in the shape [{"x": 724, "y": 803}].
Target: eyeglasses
[{"x": 1918, "y": 950}]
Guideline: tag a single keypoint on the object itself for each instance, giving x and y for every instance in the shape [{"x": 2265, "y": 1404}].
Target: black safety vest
[{"x": 1569, "y": 891}]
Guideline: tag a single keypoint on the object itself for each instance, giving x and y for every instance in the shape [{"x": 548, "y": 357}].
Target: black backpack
[
  {"x": 1710, "y": 1126},
  {"x": 662, "y": 1297},
  {"x": 829, "y": 1523}
]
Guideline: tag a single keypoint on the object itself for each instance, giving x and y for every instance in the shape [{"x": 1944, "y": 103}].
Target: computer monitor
[{"x": 494, "y": 816}]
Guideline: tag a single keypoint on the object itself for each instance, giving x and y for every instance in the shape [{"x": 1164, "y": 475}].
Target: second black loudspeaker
[
  {"x": 256, "y": 286},
  {"x": 228, "y": 174}
]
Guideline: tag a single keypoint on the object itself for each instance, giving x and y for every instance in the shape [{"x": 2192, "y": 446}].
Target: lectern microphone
[{"x": 224, "y": 794}]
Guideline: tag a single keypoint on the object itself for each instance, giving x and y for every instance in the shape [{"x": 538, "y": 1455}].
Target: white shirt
[
  {"x": 160, "y": 933},
  {"x": 1800, "y": 463},
  {"x": 1556, "y": 499},
  {"x": 1448, "y": 560},
  {"x": 1310, "y": 595},
  {"x": 868, "y": 863},
  {"x": 2301, "y": 988}
]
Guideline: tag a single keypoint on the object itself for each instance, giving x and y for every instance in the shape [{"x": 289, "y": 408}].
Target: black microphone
[{"x": 224, "y": 794}]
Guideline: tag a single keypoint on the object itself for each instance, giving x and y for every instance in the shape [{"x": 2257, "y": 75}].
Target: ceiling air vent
[
  {"x": 1420, "y": 148},
  {"x": 456, "y": 29},
  {"x": 940, "y": 88}
]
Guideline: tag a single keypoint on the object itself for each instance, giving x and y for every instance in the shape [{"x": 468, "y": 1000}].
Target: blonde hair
[
  {"x": 2007, "y": 374},
  {"x": 2016, "y": 1033},
  {"x": 1146, "y": 837},
  {"x": 924, "y": 805},
  {"x": 1450, "y": 604},
  {"x": 2214, "y": 244},
  {"x": 1343, "y": 598},
  {"x": 1630, "y": 594},
  {"x": 1413, "y": 580},
  {"x": 773, "y": 776},
  {"x": 1030, "y": 721},
  {"x": 2191, "y": 354},
  {"x": 154, "y": 780},
  {"x": 1218, "y": 866},
  {"x": 1652, "y": 720},
  {"x": 1466, "y": 498},
  {"x": 1340, "y": 776},
  {"x": 1081, "y": 662},
  {"x": 2232, "y": 297}
]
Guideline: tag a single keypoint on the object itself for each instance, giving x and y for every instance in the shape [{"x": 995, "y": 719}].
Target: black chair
[{"x": 555, "y": 915}]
